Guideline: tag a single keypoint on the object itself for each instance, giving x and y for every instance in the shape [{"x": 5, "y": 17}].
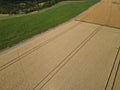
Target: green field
[{"x": 17, "y": 29}]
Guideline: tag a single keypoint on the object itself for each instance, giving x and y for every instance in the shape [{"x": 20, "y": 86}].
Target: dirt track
[{"x": 72, "y": 56}]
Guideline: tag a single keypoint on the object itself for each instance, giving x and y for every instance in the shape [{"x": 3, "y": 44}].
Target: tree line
[{"x": 24, "y": 6}]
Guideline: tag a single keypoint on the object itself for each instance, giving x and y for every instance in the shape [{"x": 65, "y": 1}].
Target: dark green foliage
[
  {"x": 15, "y": 30},
  {"x": 24, "y": 6}
]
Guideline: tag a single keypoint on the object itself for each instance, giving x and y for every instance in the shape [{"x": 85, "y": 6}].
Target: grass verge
[{"x": 17, "y": 29}]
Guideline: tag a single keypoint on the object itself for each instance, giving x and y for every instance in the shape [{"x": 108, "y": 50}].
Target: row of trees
[{"x": 24, "y": 6}]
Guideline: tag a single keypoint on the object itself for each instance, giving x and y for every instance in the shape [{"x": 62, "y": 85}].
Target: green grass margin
[{"x": 17, "y": 29}]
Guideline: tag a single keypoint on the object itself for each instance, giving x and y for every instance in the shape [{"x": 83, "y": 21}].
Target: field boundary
[
  {"x": 85, "y": 12},
  {"x": 27, "y": 52}
]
